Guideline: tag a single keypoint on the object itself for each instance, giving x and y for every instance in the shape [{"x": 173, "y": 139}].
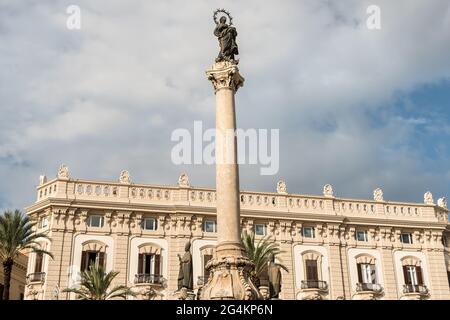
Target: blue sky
[{"x": 356, "y": 108}]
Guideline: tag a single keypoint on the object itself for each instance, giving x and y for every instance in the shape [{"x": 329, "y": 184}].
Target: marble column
[{"x": 229, "y": 270}]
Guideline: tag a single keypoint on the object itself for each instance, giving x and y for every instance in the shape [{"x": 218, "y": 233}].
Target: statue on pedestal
[
  {"x": 226, "y": 34},
  {"x": 185, "y": 278},
  {"x": 274, "y": 278}
]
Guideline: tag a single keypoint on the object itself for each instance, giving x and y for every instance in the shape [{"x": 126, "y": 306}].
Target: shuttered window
[
  {"x": 206, "y": 258},
  {"x": 366, "y": 273},
  {"x": 413, "y": 275},
  {"x": 38, "y": 262},
  {"x": 149, "y": 263},
  {"x": 92, "y": 257},
  {"x": 311, "y": 270}
]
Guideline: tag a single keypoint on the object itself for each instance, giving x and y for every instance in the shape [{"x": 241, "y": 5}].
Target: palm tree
[
  {"x": 17, "y": 235},
  {"x": 260, "y": 253},
  {"x": 95, "y": 284}
]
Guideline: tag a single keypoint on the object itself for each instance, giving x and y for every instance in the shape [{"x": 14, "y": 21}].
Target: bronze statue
[
  {"x": 274, "y": 278},
  {"x": 185, "y": 277},
  {"x": 226, "y": 34}
]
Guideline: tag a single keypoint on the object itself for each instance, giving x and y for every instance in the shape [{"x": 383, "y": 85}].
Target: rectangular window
[
  {"x": 361, "y": 236},
  {"x": 95, "y": 221},
  {"x": 38, "y": 262},
  {"x": 260, "y": 229},
  {"x": 308, "y": 232},
  {"x": 311, "y": 270},
  {"x": 206, "y": 259},
  {"x": 92, "y": 257},
  {"x": 149, "y": 264},
  {"x": 43, "y": 222},
  {"x": 366, "y": 273},
  {"x": 149, "y": 224},
  {"x": 406, "y": 238},
  {"x": 209, "y": 226},
  {"x": 413, "y": 275}
]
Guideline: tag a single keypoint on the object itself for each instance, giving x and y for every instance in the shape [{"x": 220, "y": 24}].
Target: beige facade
[
  {"x": 334, "y": 248},
  {"x": 18, "y": 278}
]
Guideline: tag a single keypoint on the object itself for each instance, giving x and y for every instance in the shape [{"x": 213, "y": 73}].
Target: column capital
[{"x": 225, "y": 75}]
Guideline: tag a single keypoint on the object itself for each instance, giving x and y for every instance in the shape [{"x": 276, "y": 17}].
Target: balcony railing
[
  {"x": 314, "y": 284},
  {"x": 374, "y": 287},
  {"x": 148, "y": 278},
  {"x": 415, "y": 288},
  {"x": 36, "y": 277}
]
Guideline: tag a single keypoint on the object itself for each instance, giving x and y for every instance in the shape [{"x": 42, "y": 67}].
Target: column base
[{"x": 229, "y": 277}]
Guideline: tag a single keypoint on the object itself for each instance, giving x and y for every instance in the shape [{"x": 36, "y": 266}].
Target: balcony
[
  {"x": 37, "y": 277},
  {"x": 313, "y": 290},
  {"x": 314, "y": 284},
  {"x": 146, "y": 278},
  {"x": 415, "y": 288},
  {"x": 369, "y": 287}
]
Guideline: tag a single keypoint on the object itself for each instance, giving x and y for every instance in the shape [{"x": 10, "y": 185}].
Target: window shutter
[
  {"x": 157, "y": 264},
  {"x": 206, "y": 259},
  {"x": 419, "y": 275},
  {"x": 140, "y": 263},
  {"x": 405, "y": 275},
  {"x": 83, "y": 261},
  {"x": 38, "y": 263},
  {"x": 359, "y": 266},
  {"x": 311, "y": 270},
  {"x": 101, "y": 259},
  {"x": 373, "y": 274}
]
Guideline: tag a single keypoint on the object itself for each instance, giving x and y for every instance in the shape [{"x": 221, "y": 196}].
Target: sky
[{"x": 356, "y": 108}]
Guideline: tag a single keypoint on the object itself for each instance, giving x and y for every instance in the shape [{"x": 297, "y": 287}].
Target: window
[
  {"x": 38, "y": 262},
  {"x": 413, "y": 275},
  {"x": 149, "y": 263},
  {"x": 95, "y": 221},
  {"x": 149, "y": 224},
  {"x": 406, "y": 238},
  {"x": 43, "y": 222},
  {"x": 92, "y": 257},
  {"x": 308, "y": 232},
  {"x": 311, "y": 270},
  {"x": 260, "y": 229},
  {"x": 361, "y": 236},
  {"x": 206, "y": 259},
  {"x": 366, "y": 273},
  {"x": 209, "y": 226}
]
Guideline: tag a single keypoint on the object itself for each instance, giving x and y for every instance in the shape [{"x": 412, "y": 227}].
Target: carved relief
[
  {"x": 428, "y": 198},
  {"x": 183, "y": 181},
  {"x": 281, "y": 187},
  {"x": 63, "y": 172},
  {"x": 125, "y": 177},
  {"x": 442, "y": 202},
  {"x": 328, "y": 191},
  {"x": 378, "y": 195}
]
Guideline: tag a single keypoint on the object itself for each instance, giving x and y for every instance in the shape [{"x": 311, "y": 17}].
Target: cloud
[{"x": 108, "y": 96}]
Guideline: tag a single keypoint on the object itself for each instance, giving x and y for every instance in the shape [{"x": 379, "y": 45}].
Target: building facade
[
  {"x": 18, "y": 278},
  {"x": 333, "y": 248}
]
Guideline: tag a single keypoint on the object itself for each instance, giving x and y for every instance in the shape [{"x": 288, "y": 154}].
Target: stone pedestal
[{"x": 229, "y": 270}]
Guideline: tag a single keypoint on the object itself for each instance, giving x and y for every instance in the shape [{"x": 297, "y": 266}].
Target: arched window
[{"x": 94, "y": 252}]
